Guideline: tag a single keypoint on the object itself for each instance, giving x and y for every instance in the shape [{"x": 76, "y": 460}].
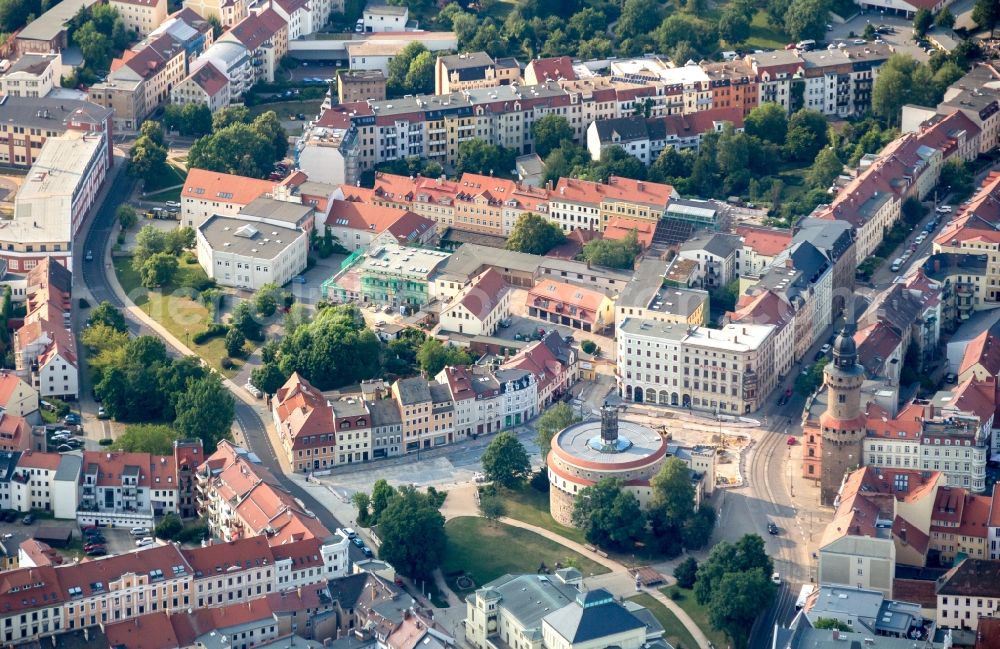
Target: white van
[
  {"x": 896, "y": 264},
  {"x": 806, "y": 46},
  {"x": 807, "y": 590}
]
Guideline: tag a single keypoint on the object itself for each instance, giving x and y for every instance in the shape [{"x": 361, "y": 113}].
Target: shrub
[
  {"x": 214, "y": 330},
  {"x": 588, "y": 346},
  {"x": 84, "y": 304},
  {"x": 540, "y": 480},
  {"x": 227, "y": 363},
  {"x": 194, "y": 534},
  {"x": 190, "y": 260},
  {"x": 204, "y": 284},
  {"x": 107, "y": 441}
]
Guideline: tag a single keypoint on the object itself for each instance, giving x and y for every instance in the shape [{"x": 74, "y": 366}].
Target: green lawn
[
  {"x": 674, "y": 631},
  {"x": 484, "y": 551},
  {"x": 175, "y": 308},
  {"x": 763, "y": 36},
  {"x": 166, "y": 195},
  {"x": 172, "y": 176},
  {"x": 532, "y": 506},
  {"x": 698, "y": 613}
]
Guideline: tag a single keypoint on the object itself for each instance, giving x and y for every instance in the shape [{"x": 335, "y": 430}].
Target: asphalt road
[{"x": 96, "y": 278}]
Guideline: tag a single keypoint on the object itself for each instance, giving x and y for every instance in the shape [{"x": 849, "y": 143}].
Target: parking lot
[
  {"x": 901, "y": 40},
  {"x": 115, "y": 541}
]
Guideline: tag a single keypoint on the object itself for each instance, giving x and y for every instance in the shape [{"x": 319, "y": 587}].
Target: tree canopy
[
  {"x": 534, "y": 234},
  {"x": 412, "y": 532},
  {"x": 550, "y": 132},
  {"x": 551, "y": 422},
  {"x": 505, "y": 461},
  {"x": 411, "y": 71},
  {"x": 613, "y": 253},
  {"x": 609, "y": 514},
  {"x": 147, "y": 438},
  {"x": 240, "y": 146}
]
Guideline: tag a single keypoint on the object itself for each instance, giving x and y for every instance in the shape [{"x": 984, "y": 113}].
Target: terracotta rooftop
[
  {"x": 767, "y": 242},
  {"x": 620, "y": 226},
  {"x": 216, "y": 187},
  {"x": 616, "y": 189}
]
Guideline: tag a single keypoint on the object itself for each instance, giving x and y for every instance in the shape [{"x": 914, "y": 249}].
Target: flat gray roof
[
  {"x": 49, "y": 24},
  {"x": 256, "y": 239},
  {"x": 47, "y": 112},
  {"x": 576, "y": 441},
  {"x": 268, "y": 208}
]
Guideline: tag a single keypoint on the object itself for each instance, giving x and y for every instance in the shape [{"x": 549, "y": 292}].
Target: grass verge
[
  {"x": 532, "y": 506},
  {"x": 763, "y": 36},
  {"x": 473, "y": 545},
  {"x": 699, "y": 614},
  {"x": 674, "y": 630},
  {"x": 177, "y": 308},
  {"x": 170, "y": 177}
]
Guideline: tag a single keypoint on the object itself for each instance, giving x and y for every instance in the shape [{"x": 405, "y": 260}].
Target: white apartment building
[
  {"x": 57, "y": 374},
  {"x": 33, "y": 75},
  {"x": 205, "y": 84},
  {"x": 54, "y": 199},
  {"x": 727, "y": 371},
  {"x": 479, "y": 307},
  {"x": 126, "y": 489},
  {"x": 966, "y": 593},
  {"x": 245, "y": 253},
  {"x": 385, "y": 18}
]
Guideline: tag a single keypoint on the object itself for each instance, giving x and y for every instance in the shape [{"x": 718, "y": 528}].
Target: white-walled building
[
  {"x": 141, "y": 16},
  {"x": 206, "y": 84},
  {"x": 385, "y": 18},
  {"x": 244, "y": 253},
  {"x": 33, "y": 75},
  {"x": 729, "y": 371},
  {"x": 479, "y": 307}
]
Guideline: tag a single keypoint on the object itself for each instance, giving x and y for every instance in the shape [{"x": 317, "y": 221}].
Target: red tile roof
[
  {"x": 620, "y": 226},
  {"x": 482, "y": 294},
  {"x": 983, "y": 350},
  {"x": 362, "y": 216},
  {"x": 976, "y": 516},
  {"x": 588, "y": 192},
  {"x": 581, "y": 303},
  {"x": 151, "y": 631},
  {"x": 155, "y": 471},
  {"x": 225, "y": 558},
  {"x": 9, "y": 382},
  {"x": 302, "y": 409},
  {"x": 39, "y": 460},
  {"x": 254, "y": 30},
  {"x": 216, "y": 187},
  {"x": 552, "y": 69},
  {"x": 93, "y": 576},
  {"x": 25, "y": 589},
  {"x": 210, "y": 79},
  {"x": 767, "y": 242},
  {"x": 767, "y": 307}
]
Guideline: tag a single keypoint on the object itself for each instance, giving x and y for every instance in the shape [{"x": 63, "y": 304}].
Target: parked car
[
  {"x": 72, "y": 419},
  {"x": 943, "y": 209},
  {"x": 28, "y": 520},
  {"x": 89, "y": 256},
  {"x": 138, "y": 531},
  {"x": 950, "y": 378},
  {"x": 64, "y": 448},
  {"x": 358, "y": 542},
  {"x": 298, "y": 279},
  {"x": 776, "y": 578},
  {"x": 90, "y": 546},
  {"x": 772, "y": 529},
  {"x": 790, "y": 441},
  {"x": 350, "y": 532},
  {"x": 825, "y": 349},
  {"x": 102, "y": 413},
  {"x": 97, "y": 552},
  {"x": 144, "y": 541},
  {"x": 172, "y": 204},
  {"x": 367, "y": 552}
]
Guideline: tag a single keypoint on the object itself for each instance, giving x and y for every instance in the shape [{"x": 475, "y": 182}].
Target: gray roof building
[
  {"x": 592, "y": 615},
  {"x": 50, "y": 113},
  {"x": 8, "y": 463},
  {"x": 413, "y": 390},
  {"x": 69, "y": 468},
  {"x": 268, "y": 209},
  {"x": 832, "y": 237},
  {"x": 384, "y": 412},
  {"x": 719, "y": 244},
  {"x": 248, "y": 238},
  {"x": 50, "y": 24}
]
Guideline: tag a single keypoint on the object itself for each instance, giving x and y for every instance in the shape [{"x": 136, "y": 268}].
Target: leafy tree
[
  {"x": 266, "y": 301},
  {"x": 505, "y": 461},
  {"x": 734, "y": 26},
  {"x": 420, "y": 76},
  {"x": 922, "y": 21},
  {"x": 638, "y": 17},
  {"x": 382, "y": 495},
  {"x": 807, "y": 134},
  {"x": 686, "y": 573},
  {"x": 685, "y": 28},
  {"x": 244, "y": 321},
  {"x": 673, "y": 492},
  {"x": 956, "y": 174},
  {"x": 608, "y": 514},
  {"x": 869, "y": 32},
  {"x": 671, "y": 164},
  {"x": 235, "y": 342},
  {"x": 362, "y": 502},
  {"x": 229, "y": 116},
  {"x": 615, "y": 161},
  {"x": 480, "y": 157},
  {"x": 986, "y": 14},
  {"x": 534, "y": 234},
  {"x": 95, "y": 46},
  {"x": 190, "y": 120},
  {"x": 825, "y": 169},
  {"x": 169, "y": 527},
  {"x": 433, "y": 356},
  {"x": 108, "y": 315},
  {"x": 550, "y": 132},
  {"x": 551, "y": 422},
  {"x": 267, "y": 378},
  {"x": 127, "y": 216},
  {"x": 737, "y": 600},
  {"x": 147, "y": 159},
  {"x": 492, "y": 506},
  {"x": 399, "y": 69},
  {"x": 697, "y": 530},
  {"x": 412, "y": 533},
  {"x": 613, "y": 253},
  {"x": 240, "y": 148},
  {"x": 158, "y": 270},
  {"x": 768, "y": 122},
  {"x": 945, "y": 19},
  {"x": 743, "y": 556},
  {"x": 830, "y": 623},
  {"x": 14, "y": 14},
  {"x": 806, "y": 384},
  {"x": 913, "y": 210},
  {"x": 806, "y": 19},
  {"x": 205, "y": 411},
  {"x": 147, "y": 438}
]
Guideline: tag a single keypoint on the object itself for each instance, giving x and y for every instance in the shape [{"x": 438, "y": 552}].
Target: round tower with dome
[{"x": 842, "y": 426}]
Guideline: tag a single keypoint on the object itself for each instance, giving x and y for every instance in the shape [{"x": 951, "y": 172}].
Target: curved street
[{"x": 98, "y": 281}]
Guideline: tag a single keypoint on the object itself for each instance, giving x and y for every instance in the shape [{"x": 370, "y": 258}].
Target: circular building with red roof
[{"x": 585, "y": 453}]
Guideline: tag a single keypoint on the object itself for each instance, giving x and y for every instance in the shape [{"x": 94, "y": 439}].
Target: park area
[
  {"x": 473, "y": 552},
  {"x": 177, "y": 308}
]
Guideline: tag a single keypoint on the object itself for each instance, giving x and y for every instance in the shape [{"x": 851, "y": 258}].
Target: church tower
[{"x": 842, "y": 426}]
